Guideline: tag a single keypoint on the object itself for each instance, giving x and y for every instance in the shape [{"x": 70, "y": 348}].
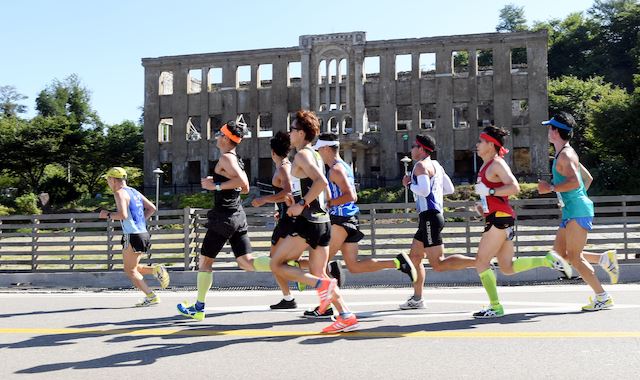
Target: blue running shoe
[{"x": 190, "y": 311}]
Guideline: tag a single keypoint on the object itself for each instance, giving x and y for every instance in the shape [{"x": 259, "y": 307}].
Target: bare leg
[
  {"x": 131, "y": 261},
  {"x": 576, "y": 239}
]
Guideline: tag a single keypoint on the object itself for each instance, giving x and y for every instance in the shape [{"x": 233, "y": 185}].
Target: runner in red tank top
[{"x": 495, "y": 184}]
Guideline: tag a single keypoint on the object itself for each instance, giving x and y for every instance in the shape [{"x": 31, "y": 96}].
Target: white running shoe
[{"x": 412, "y": 304}]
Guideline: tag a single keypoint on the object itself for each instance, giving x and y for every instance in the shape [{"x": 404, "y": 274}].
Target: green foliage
[
  {"x": 512, "y": 19},
  {"x": 27, "y": 204},
  {"x": 385, "y": 195},
  {"x": 4, "y": 210},
  {"x": 60, "y": 190},
  {"x": 9, "y": 98},
  {"x": 69, "y": 99},
  {"x": 198, "y": 200}
]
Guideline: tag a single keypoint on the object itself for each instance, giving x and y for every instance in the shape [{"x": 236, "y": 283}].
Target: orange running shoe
[
  {"x": 342, "y": 325},
  {"x": 325, "y": 292}
]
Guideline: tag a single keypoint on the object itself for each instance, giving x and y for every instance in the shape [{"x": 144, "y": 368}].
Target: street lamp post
[
  {"x": 405, "y": 160},
  {"x": 158, "y": 172}
]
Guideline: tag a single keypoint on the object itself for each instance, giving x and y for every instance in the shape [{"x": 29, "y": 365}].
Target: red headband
[
  {"x": 490, "y": 139},
  {"x": 424, "y": 146}
]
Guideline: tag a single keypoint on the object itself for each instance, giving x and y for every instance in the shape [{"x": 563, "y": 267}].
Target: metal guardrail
[{"x": 82, "y": 242}]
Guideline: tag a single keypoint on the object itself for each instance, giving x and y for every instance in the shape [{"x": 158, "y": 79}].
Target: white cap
[{"x": 320, "y": 143}]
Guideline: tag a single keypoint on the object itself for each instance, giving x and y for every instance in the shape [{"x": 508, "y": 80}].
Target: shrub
[
  {"x": 27, "y": 204},
  {"x": 4, "y": 210}
]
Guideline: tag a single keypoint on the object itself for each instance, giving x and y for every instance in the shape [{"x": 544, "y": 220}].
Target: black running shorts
[
  {"x": 283, "y": 228},
  {"x": 315, "y": 234},
  {"x": 222, "y": 228},
  {"x": 430, "y": 225},
  {"x": 351, "y": 225},
  {"x": 501, "y": 223},
  {"x": 139, "y": 242}
]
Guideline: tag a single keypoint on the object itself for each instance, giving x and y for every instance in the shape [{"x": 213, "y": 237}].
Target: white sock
[
  {"x": 288, "y": 298},
  {"x": 602, "y": 296},
  {"x": 604, "y": 260}
]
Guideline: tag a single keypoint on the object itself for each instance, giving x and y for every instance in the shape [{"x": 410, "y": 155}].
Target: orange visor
[{"x": 225, "y": 131}]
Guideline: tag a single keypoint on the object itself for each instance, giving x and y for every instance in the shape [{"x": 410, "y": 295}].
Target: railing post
[
  {"x": 468, "y": 233},
  {"x": 624, "y": 216},
  {"x": 373, "y": 232},
  {"x": 186, "y": 230},
  {"x": 72, "y": 244},
  {"x": 34, "y": 243},
  {"x": 109, "y": 244}
]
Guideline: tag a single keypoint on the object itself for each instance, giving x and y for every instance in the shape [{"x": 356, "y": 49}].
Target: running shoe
[
  {"x": 190, "y": 311},
  {"x": 406, "y": 266},
  {"x": 325, "y": 292},
  {"x": 335, "y": 271},
  {"x": 284, "y": 304},
  {"x": 316, "y": 314},
  {"x": 342, "y": 325},
  {"x": 493, "y": 311},
  {"x": 557, "y": 262},
  {"x": 301, "y": 285},
  {"x": 598, "y": 304},
  {"x": 149, "y": 301},
  {"x": 613, "y": 268},
  {"x": 160, "y": 272},
  {"x": 412, "y": 304}
]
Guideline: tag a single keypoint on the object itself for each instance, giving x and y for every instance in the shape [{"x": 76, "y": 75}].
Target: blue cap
[{"x": 557, "y": 124}]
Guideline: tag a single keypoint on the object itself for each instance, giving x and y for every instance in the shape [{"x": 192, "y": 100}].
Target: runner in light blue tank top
[
  {"x": 349, "y": 208},
  {"x": 135, "y": 222}
]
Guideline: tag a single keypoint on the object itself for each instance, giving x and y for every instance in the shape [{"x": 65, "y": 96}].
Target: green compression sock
[
  {"x": 522, "y": 264},
  {"x": 261, "y": 264},
  {"x": 205, "y": 279},
  {"x": 489, "y": 282}
]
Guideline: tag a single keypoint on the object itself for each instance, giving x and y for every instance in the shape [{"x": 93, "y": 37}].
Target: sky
[{"x": 103, "y": 42}]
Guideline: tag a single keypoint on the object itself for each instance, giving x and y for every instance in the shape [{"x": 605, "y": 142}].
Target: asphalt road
[{"x": 98, "y": 335}]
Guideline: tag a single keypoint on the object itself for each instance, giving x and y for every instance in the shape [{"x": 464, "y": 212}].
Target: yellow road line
[{"x": 362, "y": 334}]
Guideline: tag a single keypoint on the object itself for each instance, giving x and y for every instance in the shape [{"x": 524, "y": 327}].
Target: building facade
[{"x": 377, "y": 95}]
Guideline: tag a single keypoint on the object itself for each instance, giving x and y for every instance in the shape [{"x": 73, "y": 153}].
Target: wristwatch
[
  {"x": 492, "y": 191},
  {"x": 302, "y": 202},
  {"x": 552, "y": 188},
  {"x": 218, "y": 188}
]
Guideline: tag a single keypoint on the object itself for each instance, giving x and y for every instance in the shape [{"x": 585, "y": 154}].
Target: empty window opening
[
  {"x": 215, "y": 123},
  {"x": 245, "y": 118},
  {"x": 460, "y": 116},
  {"x": 322, "y": 72},
  {"x": 265, "y": 127},
  {"x": 427, "y": 64},
  {"x": 166, "y": 83},
  {"x": 265, "y": 75},
  {"x": 243, "y": 76},
  {"x": 371, "y": 69},
  {"x": 342, "y": 70},
  {"x": 193, "y": 129},
  {"x": 428, "y": 116},
  {"x": 403, "y": 67},
  {"x": 333, "y": 67},
  {"x": 194, "y": 172},
  {"x": 347, "y": 125},
  {"x": 194, "y": 81},
  {"x": 519, "y": 112},
  {"x": 164, "y": 130},
  {"x": 485, "y": 61},
  {"x": 463, "y": 165},
  {"x": 215, "y": 78},
  {"x": 322, "y": 108},
  {"x": 333, "y": 125},
  {"x": 403, "y": 118},
  {"x": 460, "y": 62},
  {"x": 372, "y": 119},
  {"x": 294, "y": 73},
  {"x": 333, "y": 107},
  {"x": 521, "y": 160},
  {"x": 485, "y": 114},
  {"x": 519, "y": 60},
  {"x": 343, "y": 106}
]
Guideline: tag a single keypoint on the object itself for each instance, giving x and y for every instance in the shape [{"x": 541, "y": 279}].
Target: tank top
[
  {"x": 435, "y": 199},
  {"x": 576, "y": 202},
  {"x": 227, "y": 201},
  {"x": 497, "y": 204},
  {"x": 347, "y": 209},
  {"x": 135, "y": 222},
  {"x": 316, "y": 212}
]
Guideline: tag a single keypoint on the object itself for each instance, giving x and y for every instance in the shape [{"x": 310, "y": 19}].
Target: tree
[
  {"x": 67, "y": 98},
  {"x": 9, "y": 98},
  {"x": 512, "y": 19}
]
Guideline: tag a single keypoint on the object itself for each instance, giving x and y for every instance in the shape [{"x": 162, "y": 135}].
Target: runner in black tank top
[
  {"x": 227, "y": 220},
  {"x": 312, "y": 227}
]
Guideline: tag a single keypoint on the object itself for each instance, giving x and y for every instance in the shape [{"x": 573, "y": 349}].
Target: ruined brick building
[{"x": 376, "y": 94}]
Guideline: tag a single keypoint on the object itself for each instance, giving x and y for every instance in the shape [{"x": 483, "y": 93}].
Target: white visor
[{"x": 320, "y": 143}]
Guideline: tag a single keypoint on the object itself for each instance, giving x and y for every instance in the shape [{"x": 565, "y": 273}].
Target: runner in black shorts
[
  {"x": 281, "y": 182},
  {"x": 345, "y": 231},
  {"x": 429, "y": 183},
  {"x": 227, "y": 220},
  {"x": 312, "y": 225}
]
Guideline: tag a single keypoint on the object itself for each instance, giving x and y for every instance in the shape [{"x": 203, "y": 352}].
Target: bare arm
[
  {"x": 305, "y": 162},
  {"x": 230, "y": 168},
  {"x": 568, "y": 167},
  {"x": 511, "y": 185},
  {"x": 122, "y": 205},
  {"x": 285, "y": 184},
  {"x": 149, "y": 207},
  {"x": 587, "y": 178}
]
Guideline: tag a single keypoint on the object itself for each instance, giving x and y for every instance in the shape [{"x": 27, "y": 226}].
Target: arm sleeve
[
  {"x": 447, "y": 185},
  {"x": 423, "y": 188}
]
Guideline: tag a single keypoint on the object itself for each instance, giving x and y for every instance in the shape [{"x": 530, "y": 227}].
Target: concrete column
[
  {"x": 538, "y": 103},
  {"x": 151, "y": 121},
  {"x": 360, "y": 158},
  {"x": 356, "y": 79},
  {"x": 502, "y": 92},
  {"x": 305, "y": 81},
  {"x": 444, "y": 106},
  {"x": 388, "y": 135},
  {"x": 348, "y": 154}
]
